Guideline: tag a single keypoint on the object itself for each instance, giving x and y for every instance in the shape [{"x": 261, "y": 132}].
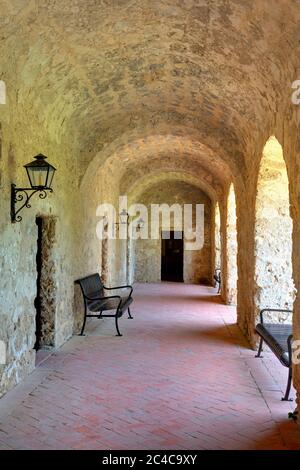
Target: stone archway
[
  {"x": 274, "y": 286},
  {"x": 147, "y": 253}
]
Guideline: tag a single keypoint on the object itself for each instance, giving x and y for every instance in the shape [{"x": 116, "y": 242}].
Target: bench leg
[
  {"x": 260, "y": 348},
  {"x": 129, "y": 314},
  {"x": 288, "y": 387},
  {"x": 117, "y": 326},
  {"x": 83, "y": 326}
]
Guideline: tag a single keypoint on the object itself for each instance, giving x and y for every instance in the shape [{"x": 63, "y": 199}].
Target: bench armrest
[
  {"x": 103, "y": 298},
  {"x": 261, "y": 313},
  {"x": 120, "y": 287},
  {"x": 289, "y": 343}
]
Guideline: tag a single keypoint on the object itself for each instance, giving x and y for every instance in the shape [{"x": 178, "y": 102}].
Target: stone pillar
[
  {"x": 245, "y": 210},
  {"x": 296, "y": 314},
  {"x": 292, "y": 151}
]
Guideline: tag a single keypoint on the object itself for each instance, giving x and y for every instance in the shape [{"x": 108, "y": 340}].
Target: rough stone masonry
[{"x": 129, "y": 94}]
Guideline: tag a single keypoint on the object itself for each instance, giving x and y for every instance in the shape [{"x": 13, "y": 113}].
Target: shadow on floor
[
  {"x": 203, "y": 298},
  {"x": 217, "y": 333},
  {"x": 286, "y": 431}
]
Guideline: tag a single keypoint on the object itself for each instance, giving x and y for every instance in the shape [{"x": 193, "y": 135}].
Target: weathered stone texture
[
  {"x": 127, "y": 94},
  {"x": 48, "y": 294}
]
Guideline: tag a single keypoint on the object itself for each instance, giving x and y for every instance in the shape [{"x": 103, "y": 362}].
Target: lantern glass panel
[
  {"x": 37, "y": 176},
  {"x": 51, "y": 171},
  {"x": 124, "y": 217}
]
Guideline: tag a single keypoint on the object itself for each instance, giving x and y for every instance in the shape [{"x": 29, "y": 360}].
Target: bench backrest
[
  {"x": 91, "y": 286},
  {"x": 273, "y": 310}
]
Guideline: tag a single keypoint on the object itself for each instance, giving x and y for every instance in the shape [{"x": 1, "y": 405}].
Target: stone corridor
[{"x": 181, "y": 377}]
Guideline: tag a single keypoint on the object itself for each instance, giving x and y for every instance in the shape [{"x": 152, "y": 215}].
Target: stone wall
[
  {"x": 129, "y": 92},
  {"x": 22, "y": 137}
]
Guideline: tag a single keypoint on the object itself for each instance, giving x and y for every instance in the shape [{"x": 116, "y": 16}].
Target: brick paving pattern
[{"x": 181, "y": 377}]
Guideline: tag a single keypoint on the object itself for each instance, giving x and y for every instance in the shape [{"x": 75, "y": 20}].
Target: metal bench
[
  {"x": 278, "y": 336},
  {"x": 217, "y": 279},
  {"x": 96, "y": 302}
]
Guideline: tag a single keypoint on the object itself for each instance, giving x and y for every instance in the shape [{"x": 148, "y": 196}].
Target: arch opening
[
  {"x": 217, "y": 237},
  {"x": 231, "y": 249},
  {"x": 147, "y": 253},
  {"x": 274, "y": 285}
]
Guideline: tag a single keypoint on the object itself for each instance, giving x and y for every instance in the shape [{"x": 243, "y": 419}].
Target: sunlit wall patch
[{"x": 2, "y": 92}]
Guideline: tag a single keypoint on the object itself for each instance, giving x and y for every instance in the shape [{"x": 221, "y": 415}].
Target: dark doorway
[
  {"x": 37, "y": 302},
  {"x": 172, "y": 257}
]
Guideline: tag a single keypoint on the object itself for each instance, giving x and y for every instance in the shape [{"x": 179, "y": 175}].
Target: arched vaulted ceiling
[
  {"x": 104, "y": 74},
  {"x": 161, "y": 153},
  {"x": 162, "y": 178}
]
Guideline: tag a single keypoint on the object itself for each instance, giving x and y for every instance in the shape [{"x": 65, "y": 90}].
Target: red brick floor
[{"x": 181, "y": 377}]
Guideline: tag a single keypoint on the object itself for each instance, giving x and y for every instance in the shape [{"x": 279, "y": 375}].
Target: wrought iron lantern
[
  {"x": 123, "y": 218},
  {"x": 140, "y": 224},
  {"x": 40, "y": 175}
]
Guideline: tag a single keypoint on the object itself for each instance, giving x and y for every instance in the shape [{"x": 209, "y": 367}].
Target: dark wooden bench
[
  {"x": 96, "y": 302},
  {"x": 278, "y": 336}
]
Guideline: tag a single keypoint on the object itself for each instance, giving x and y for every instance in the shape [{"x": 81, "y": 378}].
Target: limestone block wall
[
  {"x": 147, "y": 267},
  {"x": 21, "y": 139}
]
